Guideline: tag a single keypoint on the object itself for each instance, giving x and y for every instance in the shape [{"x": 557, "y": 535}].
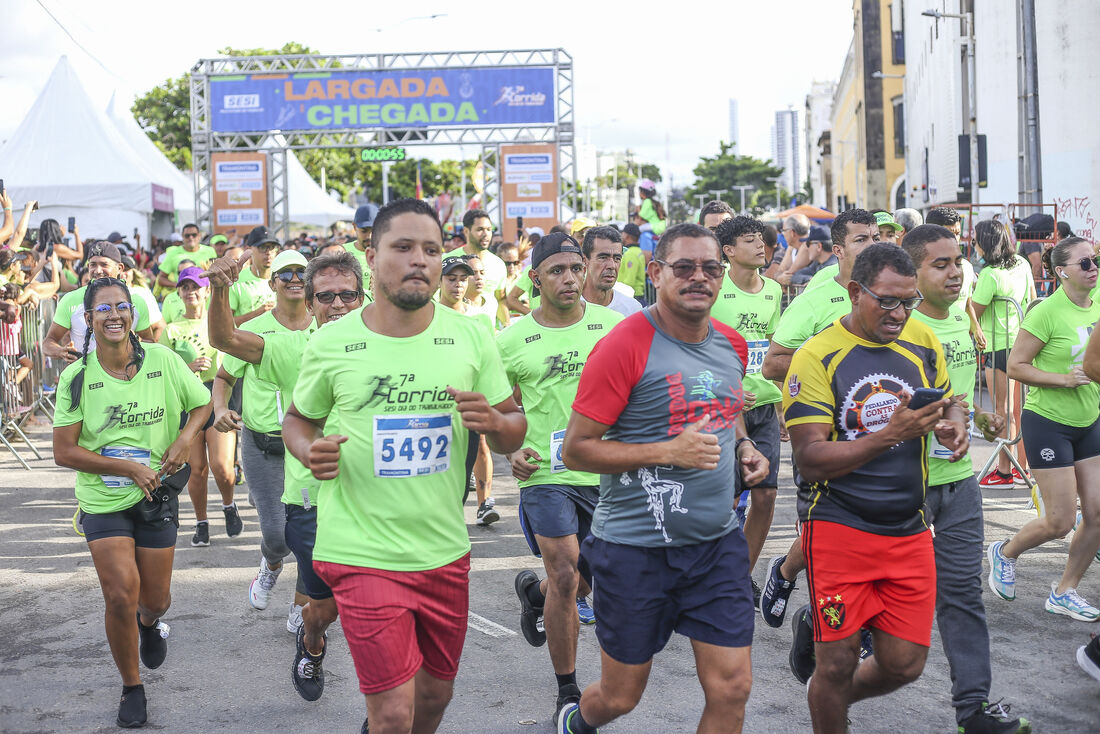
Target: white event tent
[{"x": 309, "y": 204}]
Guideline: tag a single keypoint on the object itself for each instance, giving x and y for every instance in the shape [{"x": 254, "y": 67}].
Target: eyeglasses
[
  {"x": 889, "y": 304},
  {"x": 1088, "y": 263},
  {"x": 330, "y": 296},
  {"x": 122, "y": 308},
  {"x": 512, "y": 263},
  {"x": 686, "y": 268},
  {"x": 190, "y": 234},
  {"x": 288, "y": 275}
]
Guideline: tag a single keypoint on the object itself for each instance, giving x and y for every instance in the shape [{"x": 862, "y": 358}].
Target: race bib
[
  {"x": 557, "y": 463},
  {"x": 412, "y": 445},
  {"x": 936, "y": 450},
  {"x": 138, "y": 456},
  {"x": 757, "y": 350}
]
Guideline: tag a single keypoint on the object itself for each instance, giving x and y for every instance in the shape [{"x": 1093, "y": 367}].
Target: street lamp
[
  {"x": 972, "y": 96},
  {"x": 742, "y": 190},
  {"x": 776, "y": 180},
  {"x": 717, "y": 193}
]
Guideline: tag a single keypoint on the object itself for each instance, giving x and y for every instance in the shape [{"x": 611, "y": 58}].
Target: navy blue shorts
[
  {"x": 301, "y": 534},
  {"x": 642, "y": 595},
  {"x": 556, "y": 510},
  {"x": 1051, "y": 445},
  {"x": 128, "y": 523}
]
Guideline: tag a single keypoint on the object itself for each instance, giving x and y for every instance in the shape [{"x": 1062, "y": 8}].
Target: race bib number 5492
[{"x": 412, "y": 445}]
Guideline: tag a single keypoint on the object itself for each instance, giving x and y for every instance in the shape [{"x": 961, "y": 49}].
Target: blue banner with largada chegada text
[{"x": 382, "y": 99}]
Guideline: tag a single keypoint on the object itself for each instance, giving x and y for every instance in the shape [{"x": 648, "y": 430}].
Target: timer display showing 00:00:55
[{"x": 373, "y": 155}]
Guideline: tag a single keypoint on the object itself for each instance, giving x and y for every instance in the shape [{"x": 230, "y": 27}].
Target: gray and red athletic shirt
[{"x": 648, "y": 386}]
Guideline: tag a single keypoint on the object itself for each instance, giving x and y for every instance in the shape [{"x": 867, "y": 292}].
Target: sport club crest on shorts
[{"x": 831, "y": 609}]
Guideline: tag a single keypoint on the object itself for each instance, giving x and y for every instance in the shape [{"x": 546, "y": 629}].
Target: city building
[
  {"x": 786, "y": 151},
  {"x": 818, "y": 119}
]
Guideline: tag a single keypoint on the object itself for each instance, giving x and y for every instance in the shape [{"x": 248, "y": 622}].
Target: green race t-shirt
[
  {"x": 70, "y": 314},
  {"x": 258, "y": 399},
  {"x": 189, "y": 339},
  {"x": 361, "y": 256},
  {"x": 1064, "y": 329},
  {"x": 755, "y": 317},
  {"x": 249, "y": 293},
  {"x": 396, "y": 504},
  {"x": 1015, "y": 283},
  {"x": 632, "y": 269},
  {"x": 496, "y": 272},
  {"x": 827, "y": 273},
  {"x": 961, "y": 356},
  {"x": 172, "y": 256},
  {"x": 546, "y": 363},
  {"x": 810, "y": 313},
  {"x": 525, "y": 284},
  {"x": 134, "y": 419}
]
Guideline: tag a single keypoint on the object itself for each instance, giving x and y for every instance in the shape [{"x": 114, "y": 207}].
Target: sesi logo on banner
[{"x": 377, "y": 99}]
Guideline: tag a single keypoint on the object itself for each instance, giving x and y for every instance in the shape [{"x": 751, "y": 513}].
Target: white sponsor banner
[
  {"x": 251, "y": 185},
  {"x": 240, "y": 217},
  {"x": 239, "y": 170},
  {"x": 529, "y": 209}
]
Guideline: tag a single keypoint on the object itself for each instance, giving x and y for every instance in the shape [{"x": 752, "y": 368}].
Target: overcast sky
[{"x": 655, "y": 80}]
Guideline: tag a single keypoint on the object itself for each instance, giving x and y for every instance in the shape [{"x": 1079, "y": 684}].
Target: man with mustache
[
  {"x": 603, "y": 255},
  {"x": 658, "y": 416}
]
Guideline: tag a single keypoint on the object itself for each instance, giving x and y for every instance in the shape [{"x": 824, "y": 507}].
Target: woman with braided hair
[{"x": 117, "y": 425}]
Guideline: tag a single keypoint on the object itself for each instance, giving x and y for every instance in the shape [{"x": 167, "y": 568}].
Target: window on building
[
  {"x": 899, "y": 126},
  {"x": 897, "y": 33}
]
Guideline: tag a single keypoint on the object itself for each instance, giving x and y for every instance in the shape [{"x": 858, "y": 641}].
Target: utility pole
[
  {"x": 972, "y": 91},
  {"x": 742, "y": 190},
  {"x": 1031, "y": 161}
]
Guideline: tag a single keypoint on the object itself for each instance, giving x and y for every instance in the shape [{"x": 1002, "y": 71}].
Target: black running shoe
[
  {"x": 802, "y": 658},
  {"x": 776, "y": 595},
  {"x": 1088, "y": 657},
  {"x": 152, "y": 643},
  {"x": 233, "y": 524},
  {"x": 131, "y": 709},
  {"x": 530, "y": 619},
  {"x": 307, "y": 673},
  {"x": 201, "y": 538},
  {"x": 366, "y": 728},
  {"x": 994, "y": 718},
  {"x": 755, "y": 594},
  {"x": 567, "y": 694},
  {"x": 866, "y": 644}
]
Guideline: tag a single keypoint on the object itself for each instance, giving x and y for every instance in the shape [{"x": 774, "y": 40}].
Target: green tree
[{"x": 727, "y": 169}]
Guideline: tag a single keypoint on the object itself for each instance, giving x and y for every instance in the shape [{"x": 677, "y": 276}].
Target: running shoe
[
  {"x": 995, "y": 718},
  {"x": 568, "y": 694},
  {"x": 1088, "y": 657},
  {"x": 1071, "y": 605},
  {"x": 1021, "y": 480},
  {"x": 294, "y": 619},
  {"x": 996, "y": 480},
  {"x": 307, "y": 672},
  {"x": 564, "y": 716},
  {"x": 866, "y": 644},
  {"x": 530, "y": 618},
  {"x": 233, "y": 524},
  {"x": 201, "y": 538},
  {"x": 1002, "y": 572},
  {"x": 487, "y": 512},
  {"x": 584, "y": 612},
  {"x": 259, "y": 591},
  {"x": 755, "y": 595},
  {"x": 131, "y": 709},
  {"x": 365, "y": 729},
  {"x": 802, "y": 658},
  {"x": 1076, "y": 525},
  {"x": 776, "y": 594},
  {"x": 152, "y": 643}
]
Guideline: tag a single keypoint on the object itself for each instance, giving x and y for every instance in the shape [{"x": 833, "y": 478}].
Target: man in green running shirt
[
  {"x": 252, "y": 295},
  {"x": 544, "y": 355}
]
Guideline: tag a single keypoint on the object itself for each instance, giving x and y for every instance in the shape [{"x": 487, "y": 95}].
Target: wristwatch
[{"x": 740, "y": 441}]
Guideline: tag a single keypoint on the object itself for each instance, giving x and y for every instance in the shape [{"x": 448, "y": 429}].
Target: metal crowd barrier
[{"x": 34, "y": 394}]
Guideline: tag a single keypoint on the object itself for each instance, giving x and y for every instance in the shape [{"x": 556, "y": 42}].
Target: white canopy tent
[
  {"x": 309, "y": 204},
  {"x": 67, "y": 155},
  {"x": 182, "y": 185}
]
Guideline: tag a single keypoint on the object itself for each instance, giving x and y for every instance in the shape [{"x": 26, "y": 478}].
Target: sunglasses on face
[
  {"x": 889, "y": 304},
  {"x": 684, "y": 269},
  {"x": 330, "y": 296},
  {"x": 511, "y": 263},
  {"x": 288, "y": 275},
  {"x": 122, "y": 308},
  {"x": 1088, "y": 263}
]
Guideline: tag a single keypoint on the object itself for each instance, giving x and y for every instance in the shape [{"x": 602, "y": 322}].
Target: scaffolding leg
[{"x": 4, "y": 440}]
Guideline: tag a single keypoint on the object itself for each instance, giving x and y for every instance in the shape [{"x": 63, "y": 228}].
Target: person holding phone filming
[{"x": 118, "y": 425}]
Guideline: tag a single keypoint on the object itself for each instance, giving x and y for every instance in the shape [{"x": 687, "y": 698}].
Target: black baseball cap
[
  {"x": 819, "y": 234},
  {"x": 450, "y": 264},
  {"x": 103, "y": 248},
  {"x": 552, "y": 244},
  {"x": 259, "y": 236},
  {"x": 115, "y": 237},
  {"x": 364, "y": 216}
]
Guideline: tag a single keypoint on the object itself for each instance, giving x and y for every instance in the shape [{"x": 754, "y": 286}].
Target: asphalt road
[{"x": 228, "y": 666}]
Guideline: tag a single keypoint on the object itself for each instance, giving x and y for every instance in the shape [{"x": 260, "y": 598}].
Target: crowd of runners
[{"x": 640, "y": 380}]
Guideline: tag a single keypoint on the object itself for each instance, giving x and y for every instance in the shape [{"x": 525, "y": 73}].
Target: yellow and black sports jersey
[{"x": 853, "y": 386}]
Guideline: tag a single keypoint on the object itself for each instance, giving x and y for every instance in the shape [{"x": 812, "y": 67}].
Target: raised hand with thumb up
[{"x": 694, "y": 449}]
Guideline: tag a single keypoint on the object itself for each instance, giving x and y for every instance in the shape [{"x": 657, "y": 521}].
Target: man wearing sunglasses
[
  {"x": 251, "y": 295},
  {"x": 658, "y": 414},
  {"x": 333, "y": 286},
  {"x": 861, "y": 453},
  {"x": 192, "y": 249}
]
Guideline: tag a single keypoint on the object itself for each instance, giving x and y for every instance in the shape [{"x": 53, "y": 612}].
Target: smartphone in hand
[
  {"x": 923, "y": 396},
  {"x": 72, "y": 224}
]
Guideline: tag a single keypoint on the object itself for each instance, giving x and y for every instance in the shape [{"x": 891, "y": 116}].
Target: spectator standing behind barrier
[
  {"x": 795, "y": 229},
  {"x": 142, "y": 391},
  {"x": 819, "y": 246},
  {"x": 651, "y": 209},
  {"x": 1061, "y": 425},
  {"x": 633, "y": 265},
  {"x": 1005, "y": 275}
]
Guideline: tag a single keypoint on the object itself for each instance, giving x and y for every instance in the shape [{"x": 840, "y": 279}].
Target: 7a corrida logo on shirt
[
  {"x": 398, "y": 392},
  {"x": 567, "y": 364},
  {"x": 690, "y": 400},
  {"x": 127, "y": 415}
]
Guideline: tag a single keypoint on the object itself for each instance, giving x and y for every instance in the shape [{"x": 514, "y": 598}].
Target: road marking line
[{"x": 489, "y": 627}]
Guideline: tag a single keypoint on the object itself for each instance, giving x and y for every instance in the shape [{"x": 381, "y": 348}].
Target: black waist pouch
[
  {"x": 269, "y": 443},
  {"x": 165, "y": 505}
]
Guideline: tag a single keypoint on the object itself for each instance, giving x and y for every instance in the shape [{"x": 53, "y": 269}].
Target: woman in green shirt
[
  {"x": 213, "y": 452},
  {"x": 1061, "y": 425},
  {"x": 117, "y": 424},
  {"x": 1005, "y": 275}
]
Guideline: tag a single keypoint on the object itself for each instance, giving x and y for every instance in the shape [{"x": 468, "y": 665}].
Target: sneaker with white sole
[
  {"x": 259, "y": 591},
  {"x": 1070, "y": 604},
  {"x": 1002, "y": 572},
  {"x": 294, "y": 619},
  {"x": 487, "y": 512},
  {"x": 776, "y": 594},
  {"x": 1088, "y": 657}
]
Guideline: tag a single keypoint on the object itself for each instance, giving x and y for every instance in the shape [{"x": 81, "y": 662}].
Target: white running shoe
[
  {"x": 294, "y": 619},
  {"x": 259, "y": 591},
  {"x": 1002, "y": 572},
  {"x": 1071, "y": 605}
]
